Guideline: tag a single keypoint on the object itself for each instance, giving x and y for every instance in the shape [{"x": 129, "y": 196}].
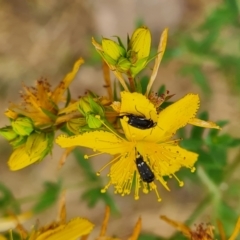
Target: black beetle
[
  {"x": 139, "y": 122},
  {"x": 144, "y": 170}
]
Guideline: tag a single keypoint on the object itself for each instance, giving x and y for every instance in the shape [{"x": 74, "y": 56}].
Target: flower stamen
[
  {"x": 154, "y": 187},
  {"x": 181, "y": 183},
  {"x": 112, "y": 161},
  {"x": 92, "y": 155}
]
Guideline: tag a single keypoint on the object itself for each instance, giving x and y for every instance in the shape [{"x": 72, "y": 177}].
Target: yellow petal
[
  {"x": 98, "y": 141},
  {"x": 75, "y": 228},
  {"x": 176, "y": 116},
  {"x": 202, "y": 123},
  {"x": 161, "y": 50},
  {"x": 141, "y": 42},
  {"x": 97, "y": 45},
  {"x": 70, "y": 108},
  {"x": 236, "y": 230},
  {"x": 105, "y": 222},
  {"x": 180, "y": 226},
  {"x": 120, "y": 78},
  {"x": 10, "y": 222},
  {"x": 11, "y": 114},
  {"x": 136, "y": 230},
  {"x": 116, "y": 106},
  {"x": 64, "y": 84},
  {"x": 167, "y": 159},
  {"x": 3, "y": 238},
  {"x": 137, "y": 104},
  {"x": 20, "y": 159}
]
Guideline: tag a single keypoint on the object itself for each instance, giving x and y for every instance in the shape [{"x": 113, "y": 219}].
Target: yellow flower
[
  {"x": 155, "y": 146},
  {"x": 202, "y": 232},
  {"x": 40, "y": 104},
  {"x": 59, "y": 230}
]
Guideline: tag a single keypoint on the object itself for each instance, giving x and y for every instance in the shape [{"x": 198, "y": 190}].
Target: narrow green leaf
[
  {"x": 49, "y": 114},
  {"x": 198, "y": 76},
  {"x": 161, "y": 89},
  {"x": 144, "y": 82},
  {"x": 49, "y": 197},
  {"x": 68, "y": 97},
  {"x": 7, "y": 200}
]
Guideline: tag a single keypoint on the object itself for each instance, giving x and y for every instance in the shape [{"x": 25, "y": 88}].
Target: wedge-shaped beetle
[
  {"x": 139, "y": 121},
  {"x": 144, "y": 170}
]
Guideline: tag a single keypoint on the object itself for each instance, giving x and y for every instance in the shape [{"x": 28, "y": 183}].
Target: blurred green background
[{"x": 44, "y": 39}]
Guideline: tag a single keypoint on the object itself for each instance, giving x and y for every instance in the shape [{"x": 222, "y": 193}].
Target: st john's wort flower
[
  {"x": 159, "y": 151},
  {"x": 60, "y": 229},
  {"x": 33, "y": 121},
  {"x": 202, "y": 231},
  {"x": 40, "y": 104}
]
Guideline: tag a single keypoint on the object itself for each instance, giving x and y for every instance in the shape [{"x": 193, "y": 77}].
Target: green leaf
[
  {"x": 233, "y": 8},
  {"x": 191, "y": 44},
  {"x": 48, "y": 197},
  {"x": 93, "y": 178},
  {"x": 7, "y": 200},
  {"x": 228, "y": 216},
  {"x": 209, "y": 40},
  {"x": 49, "y": 114},
  {"x": 192, "y": 144},
  {"x": 121, "y": 44},
  {"x": 85, "y": 165},
  {"x": 218, "y": 18},
  {"x": 161, "y": 89},
  {"x": 93, "y": 195},
  {"x": 144, "y": 82},
  {"x": 198, "y": 76},
  {"x": 68, "y": 97}
]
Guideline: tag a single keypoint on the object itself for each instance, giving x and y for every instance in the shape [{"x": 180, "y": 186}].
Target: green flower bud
[
  {"x": 123, "y": 64},
  {"x": 140, "y": 42},
  {"x": 84, "y": 106},
  {"x": 22, "y": 126},
  {"x": 38, "y": 145},
  {"x": 8, "y": 133},
  {"x": 93, "y": 122},
  {"x": 112, "y": 49},
  {"x": 87, "y": 106},
  {"x": 139, "y": 49},
  {"x": 19, "y": 140},
  {"x": 75, "y": 124}
]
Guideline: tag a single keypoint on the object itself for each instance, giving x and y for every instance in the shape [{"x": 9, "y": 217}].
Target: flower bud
[
  {"x": 22, "y": 126},
  {"x": 113, "y": 54},
  {"x": 112, "y": 49},
  {"x": 139, "y": 49},
  {"x": 19, "y": 140},
  {"x": 8, "y": 133},
  {"x": 37, "y": 146},
  {"x": 93, "y": 122},
  {"x": 84, "y": 106},
  {"x": 87, "y": 106},
  {"x": 75, "y": 124},
  {"x": 123, "y": 64}
]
